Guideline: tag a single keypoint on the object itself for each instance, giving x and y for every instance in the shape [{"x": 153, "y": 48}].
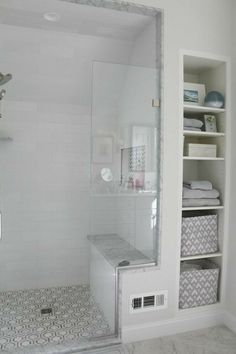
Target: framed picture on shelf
[
  {"x": 194, "y": 94},
  {"x": 210, "y": 123},
  {"x": 102, "y": 149}
]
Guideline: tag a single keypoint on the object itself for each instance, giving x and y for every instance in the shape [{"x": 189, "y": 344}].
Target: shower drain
[{"x": 46, "y": 311}]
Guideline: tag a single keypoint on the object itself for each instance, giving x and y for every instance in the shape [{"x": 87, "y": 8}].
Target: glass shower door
[
  {"x": 125, "y": 150},
  {"x": 124, "y": 174}
]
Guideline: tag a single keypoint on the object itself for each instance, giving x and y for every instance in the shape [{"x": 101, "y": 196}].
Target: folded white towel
[
  {"x": 195, "y": 123},
  {"x": 199, "y": 193},
  {"x": 191, "y": 202},
  {"x": 204, "y": 185}
]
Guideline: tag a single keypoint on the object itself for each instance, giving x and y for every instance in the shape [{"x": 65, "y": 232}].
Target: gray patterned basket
[
  {"x": 199, "y": 235},
  {"x": 199, "y": 287}
]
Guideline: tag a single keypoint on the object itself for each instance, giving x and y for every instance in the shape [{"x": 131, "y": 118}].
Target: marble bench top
[{"x": 115, "y": 249}]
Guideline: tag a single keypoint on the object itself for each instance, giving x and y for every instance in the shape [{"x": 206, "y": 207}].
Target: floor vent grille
[
  {"x": 148, "y": 302},
  {"x": 137, "y": 303}
]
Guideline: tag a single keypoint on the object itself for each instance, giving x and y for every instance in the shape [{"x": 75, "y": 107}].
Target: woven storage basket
[
  {"x": 199, "y": 235},
  {"x": 199, "y": 287}
]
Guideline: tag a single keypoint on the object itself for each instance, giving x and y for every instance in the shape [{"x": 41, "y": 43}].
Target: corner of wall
[{"x": 229, "y": 321}]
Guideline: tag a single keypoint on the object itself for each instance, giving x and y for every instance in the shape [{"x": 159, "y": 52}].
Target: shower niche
[{"x": 138, "y": 162}]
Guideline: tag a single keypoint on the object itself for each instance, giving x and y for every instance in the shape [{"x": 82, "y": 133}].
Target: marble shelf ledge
[
  {"x": 115, "y": 250},
  {"x": 136, "y": 195}
]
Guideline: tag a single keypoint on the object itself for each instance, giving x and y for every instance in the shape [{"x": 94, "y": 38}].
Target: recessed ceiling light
[{"x": 52, "y": 16}]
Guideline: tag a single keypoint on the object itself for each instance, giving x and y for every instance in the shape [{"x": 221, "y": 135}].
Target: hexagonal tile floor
[{"x": 74, "y": 315}]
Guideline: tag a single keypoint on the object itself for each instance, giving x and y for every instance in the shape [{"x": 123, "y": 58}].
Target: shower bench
[{"x": 109, "y": 253}]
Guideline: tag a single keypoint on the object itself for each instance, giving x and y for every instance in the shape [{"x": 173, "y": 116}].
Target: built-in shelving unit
[{"x": 213, "y": 72}]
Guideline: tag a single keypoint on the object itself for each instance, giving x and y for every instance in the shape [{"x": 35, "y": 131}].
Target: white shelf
[
  {"x": 203, "y": 158},
  {"x": 203, "y": 208},
  {"x": 202, "y": 109},
  {"x": 202, "y": 134},
  {"x": 202, "y": 256}
]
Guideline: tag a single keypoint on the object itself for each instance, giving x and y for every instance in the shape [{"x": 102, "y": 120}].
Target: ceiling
[{"x": 87, "y": 20}]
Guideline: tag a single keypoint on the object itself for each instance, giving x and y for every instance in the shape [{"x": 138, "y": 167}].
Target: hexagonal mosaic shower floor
[{"x": 74, "y": 315}]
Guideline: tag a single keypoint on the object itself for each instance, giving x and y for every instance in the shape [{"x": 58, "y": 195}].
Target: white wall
[
  {"x": 144, "y": 44},
  {"x": 194, "y": 25},
  {"x": 44, "y": 176},
  {"x": 231, "y": 285}
]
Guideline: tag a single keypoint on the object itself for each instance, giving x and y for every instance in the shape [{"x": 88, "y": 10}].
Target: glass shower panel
[{"x": 124, "y": 163}]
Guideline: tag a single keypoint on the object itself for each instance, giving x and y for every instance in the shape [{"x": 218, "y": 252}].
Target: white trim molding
[{"x": 151, "y": 330}]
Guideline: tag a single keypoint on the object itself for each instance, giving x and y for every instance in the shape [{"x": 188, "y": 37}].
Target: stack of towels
[
  {"x": 199, "y": 193},
  {"x": 193, "y": 124}
]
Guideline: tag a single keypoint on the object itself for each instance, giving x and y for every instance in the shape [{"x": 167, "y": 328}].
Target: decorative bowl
[{"x": 214, "y": 99}]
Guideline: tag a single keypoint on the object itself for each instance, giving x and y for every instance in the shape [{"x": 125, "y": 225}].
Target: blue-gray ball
[{"x": 214, "y": 99}]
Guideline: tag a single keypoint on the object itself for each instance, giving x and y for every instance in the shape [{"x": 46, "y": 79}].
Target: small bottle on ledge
[
  {"x": 139, "y": 184},
  {"x": 131, "y": 183}
]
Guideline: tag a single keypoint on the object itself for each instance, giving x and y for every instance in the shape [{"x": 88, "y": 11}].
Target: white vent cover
[{"x": 149, "y": 301}]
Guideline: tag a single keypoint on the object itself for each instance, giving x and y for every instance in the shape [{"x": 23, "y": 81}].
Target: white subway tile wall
[
  {"x": 45, "y": 195},
  {"x": 45, "y": 169}
]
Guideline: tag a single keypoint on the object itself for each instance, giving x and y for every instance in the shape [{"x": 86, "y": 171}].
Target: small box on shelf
[{"x": 201, "y": 150}]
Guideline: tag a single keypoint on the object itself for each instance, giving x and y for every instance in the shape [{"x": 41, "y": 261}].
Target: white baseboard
[
  {"x": 230, "y": 321},
  {"x": 149, "y": 330}
]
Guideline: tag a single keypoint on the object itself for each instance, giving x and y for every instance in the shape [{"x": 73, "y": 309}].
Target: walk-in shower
[{"x": 79, "y": 167}]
